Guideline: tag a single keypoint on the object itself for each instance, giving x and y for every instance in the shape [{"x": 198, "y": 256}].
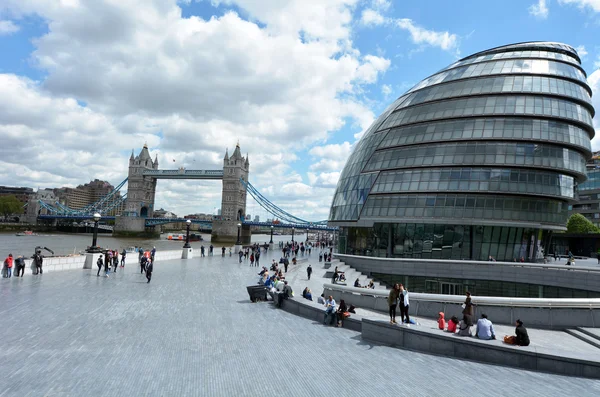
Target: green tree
[
  {"x": 580, "y": 224},
  {"x": 10, "y": 205}
]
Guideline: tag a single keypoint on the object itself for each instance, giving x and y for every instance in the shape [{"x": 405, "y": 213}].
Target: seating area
[{"x": 434, "y": 341}]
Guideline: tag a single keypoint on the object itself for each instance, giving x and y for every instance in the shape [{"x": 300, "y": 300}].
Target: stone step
[
  {"x": 591, "y": 332},
  {"x": 351, "y": 275},
  {"x": 584, "y": 337}
]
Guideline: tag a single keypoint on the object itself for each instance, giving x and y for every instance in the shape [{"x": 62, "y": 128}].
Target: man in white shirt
[
  {"x": 329, "y": 310},
  {"x": 485, "y": 328}
]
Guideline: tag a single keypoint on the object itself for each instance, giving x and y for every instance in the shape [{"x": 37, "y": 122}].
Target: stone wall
[
  {"x": 225, "y": 231},
  {"x": 56, "y": 263}
]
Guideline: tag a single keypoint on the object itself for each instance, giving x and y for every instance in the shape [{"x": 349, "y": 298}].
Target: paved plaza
[{"x": 193, "y": 332}]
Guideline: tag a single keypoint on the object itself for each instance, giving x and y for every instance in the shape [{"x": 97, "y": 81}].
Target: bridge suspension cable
[{"x": 275, "y": 210}]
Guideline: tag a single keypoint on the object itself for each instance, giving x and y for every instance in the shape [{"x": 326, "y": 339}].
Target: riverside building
[{"x": 479, "y": 160}]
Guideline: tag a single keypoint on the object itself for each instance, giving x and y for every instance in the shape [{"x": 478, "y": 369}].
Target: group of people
[
  {"x": 398, "y": 296},
  {"x": 252, "y": 253},
  {"x": 334, "y": 313},
  {"x": 276, "y": 285},
  {"x": 338, "y": 276},
  {"x": 110, "y": 261},
  {"x": 484, "y": 329},
  {"x": 357, "y": 284},
  {"x": 18, "y": 264}
]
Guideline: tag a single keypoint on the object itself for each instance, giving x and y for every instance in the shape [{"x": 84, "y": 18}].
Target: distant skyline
[{"x": 297, "y": 82}]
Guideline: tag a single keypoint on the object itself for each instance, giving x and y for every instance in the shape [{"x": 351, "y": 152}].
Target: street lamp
[
  {"x": 292, "y": 236},
  {"x": 307, "y": 235},
  {"x": 239, "y": 242},
  {"x": 271, "y": 242},
  {"x": 188, "y": 223},
  {"x": 94, "y": 247}
]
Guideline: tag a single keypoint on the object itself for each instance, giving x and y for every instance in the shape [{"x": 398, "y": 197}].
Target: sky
[{"x": 295, "y": 82}]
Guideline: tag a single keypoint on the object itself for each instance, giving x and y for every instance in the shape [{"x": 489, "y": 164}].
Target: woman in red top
[
  {"x": 452, "y": 323},
  {"x": 8, "y": 263}
]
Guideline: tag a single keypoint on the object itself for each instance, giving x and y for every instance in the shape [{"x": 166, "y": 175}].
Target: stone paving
[{"x": 193, "y": 332}]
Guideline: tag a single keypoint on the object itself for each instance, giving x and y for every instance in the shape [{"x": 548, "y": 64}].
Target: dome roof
[{"x": 500, "y": 136}]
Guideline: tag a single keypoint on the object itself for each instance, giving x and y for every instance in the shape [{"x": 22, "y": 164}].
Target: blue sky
[{"x": 296, "y": 81}]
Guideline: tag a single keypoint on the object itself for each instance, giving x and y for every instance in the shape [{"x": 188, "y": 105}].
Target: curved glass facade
[{"x": 496, "y": 141}]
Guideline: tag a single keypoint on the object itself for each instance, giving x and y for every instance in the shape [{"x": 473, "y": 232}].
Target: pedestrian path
[{"x": 193, "y": 332}]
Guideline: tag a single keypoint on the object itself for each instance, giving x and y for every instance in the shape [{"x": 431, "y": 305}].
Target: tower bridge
[{"x": 138, "y": 215}]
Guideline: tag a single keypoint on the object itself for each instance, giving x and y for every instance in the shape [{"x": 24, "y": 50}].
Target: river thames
[{"x": 64, "y": 244}]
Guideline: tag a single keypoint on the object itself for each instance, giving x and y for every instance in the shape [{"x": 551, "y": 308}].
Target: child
[
  {"x": 452, "y": 324},
  {"x": 441, "y": 321}
]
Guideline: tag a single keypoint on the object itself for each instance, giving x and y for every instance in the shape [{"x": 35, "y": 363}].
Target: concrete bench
[{"x": 494, "y": 352}]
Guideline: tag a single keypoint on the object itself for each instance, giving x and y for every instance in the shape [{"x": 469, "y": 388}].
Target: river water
[{"x": 64, "y": 244}]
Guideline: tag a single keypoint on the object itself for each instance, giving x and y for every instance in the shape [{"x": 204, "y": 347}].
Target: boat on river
[
  {"x": 26, "y": 233},
  {"x": 181, "y": 237}
]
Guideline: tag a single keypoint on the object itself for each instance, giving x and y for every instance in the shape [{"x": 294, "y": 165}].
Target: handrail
[
  {"x": 591, "y": 303},
  {"x": 482, "y": 263}
]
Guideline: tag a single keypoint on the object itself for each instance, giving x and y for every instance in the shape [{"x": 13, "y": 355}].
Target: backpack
[{"x": 99, "y": 262}]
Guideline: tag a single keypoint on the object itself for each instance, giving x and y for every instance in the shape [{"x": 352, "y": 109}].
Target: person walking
[
  {"x": 223, "y": 252},
  {"x": 309, "y": 271},
  {"x": 257, "y": 257},
  {"x": 20, "y": 263},
  {"x": 99, "y": 263},
  {"x": 8, "y": 265},
  {"x": 123, "y": 255},
  {"x": 152, "y": 253},
  {"x": 210, "y": 250},
  {"x": 107, "y": 267},
  {"x": 202, "y": 251},
  {"x": 140, "y": 254},
  {"x": 143, "y": 264},
  {"x": 115, "y": 261},
  {"x": 404, "y": 304},
  {"x": 240, "y": 254},
  {"x": 286, "y": 263},
  {"x": 468, "y": 309},
  {"x": 149, "y": 269},
  {"x": 393, "y": 302}
]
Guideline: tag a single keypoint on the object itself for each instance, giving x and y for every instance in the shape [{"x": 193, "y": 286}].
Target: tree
[
  {"x": 580, "y": 224},
  {"x": 10, "y": 205}
]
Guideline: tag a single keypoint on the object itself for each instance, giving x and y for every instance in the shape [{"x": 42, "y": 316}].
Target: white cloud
[
  {"x": 371, "y": 17},
  {"x": 189, "y": 87},
  {"x": 8, "y": 27},
  {"x": 444, "y": 40},
  {"x": 581, "y": 51},
  {"x": 386, "y": 89},
  {"x": 539, "y": 9},
  {"x": 332, "y": 157},
  {"x": 382, "y": 5},
  {"x": 593, "y": 4},
  {"x": 324, "y": 179},
  {"x": 594, "y": 83}
]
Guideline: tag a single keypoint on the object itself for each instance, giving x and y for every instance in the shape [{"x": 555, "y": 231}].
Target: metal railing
[{"x": 445, "y": 262}]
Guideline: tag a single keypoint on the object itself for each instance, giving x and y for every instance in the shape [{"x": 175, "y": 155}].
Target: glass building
[
  {"x": 480, "y": 159},
  {"x": 588, "y": 204}
]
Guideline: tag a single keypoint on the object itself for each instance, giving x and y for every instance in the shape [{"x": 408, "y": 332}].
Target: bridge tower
[
  {"x": 141, "y": 189},
  {"x": 140, "y": 194},
  {"x": 233, "y": 200}
]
